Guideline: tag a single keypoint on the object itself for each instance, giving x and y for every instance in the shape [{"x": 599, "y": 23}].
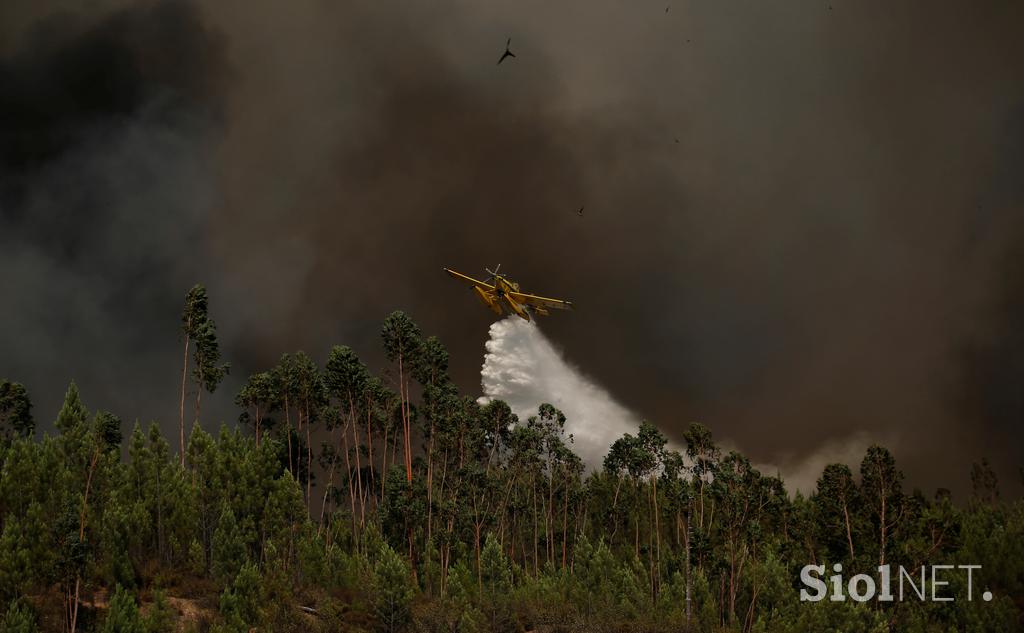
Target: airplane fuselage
[{"x": 502, "y": 288}]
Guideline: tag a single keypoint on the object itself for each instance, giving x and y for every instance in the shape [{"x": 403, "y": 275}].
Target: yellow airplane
[{"x": 504, "y": 292}]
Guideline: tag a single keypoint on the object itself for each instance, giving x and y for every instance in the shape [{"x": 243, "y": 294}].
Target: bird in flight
[
  {"x": 507, "y": 52},
  {"x": 579, "y": 212}
]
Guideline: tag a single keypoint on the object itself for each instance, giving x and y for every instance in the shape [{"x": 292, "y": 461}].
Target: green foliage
[
  {"x": 15, "y": 411},
  {"x": 123, "y": 614},
  {"x": 229, "y": 549},
  {"x": 239, "y": 604},
  {"x": 201, "y": 331},
  {"x": 490, "y": 524},
  {"x": 73, "y": 414},
  {"x": 401, "y": 336},
  {"x": 159, "y": 617},
  {"x": 108, "y": 428},
  {"x": 19, "y": 619},
  {"x": 392, "y": 591}
]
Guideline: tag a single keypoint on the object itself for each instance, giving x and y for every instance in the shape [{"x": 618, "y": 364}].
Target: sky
[{"x": 803, "y": 222}]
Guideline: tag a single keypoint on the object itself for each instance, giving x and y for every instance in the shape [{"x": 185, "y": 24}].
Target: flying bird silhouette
[
  {"x": 507, "y": 52},
  {"x": 579, "y": 212}
]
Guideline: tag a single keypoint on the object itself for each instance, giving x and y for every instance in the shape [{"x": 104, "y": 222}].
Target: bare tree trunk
[
  {"x": 430, "y": 481},
  {"x": 309, "y": 462},
  {"x": 881, "y": 493},
  {"x": 199, "y": 398},
  {"x": 384, "y": 463},
  {"x": 565, "y": 528},
  {"x": 369, "y": 443},
  {"x": 849, "y": 535},
  {"x": 657, "y": 526},
  {"x": 327, "y": 488},
  {"x": 181, "y": 422},
  {"x": 359, "y": 464},
  {"x": 689, "y": 534},
  {"x": 348, "y": 474},
  {"x": 405, "y": 417},
  {"x": 288, "y": 432},
  {"x": 81, "y": 536}
]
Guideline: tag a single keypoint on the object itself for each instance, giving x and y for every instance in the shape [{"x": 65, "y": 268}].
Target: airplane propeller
[{"x": 493, "y": 273}]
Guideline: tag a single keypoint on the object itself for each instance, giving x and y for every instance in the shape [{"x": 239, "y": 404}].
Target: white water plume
[{"x": 524, "y": 369}]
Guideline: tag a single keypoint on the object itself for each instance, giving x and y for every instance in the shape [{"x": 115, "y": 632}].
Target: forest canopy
[{"x": 347, "y": 501}]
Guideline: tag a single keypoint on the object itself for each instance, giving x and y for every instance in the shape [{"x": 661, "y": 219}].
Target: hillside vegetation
[{"x": 344, "y": 501}]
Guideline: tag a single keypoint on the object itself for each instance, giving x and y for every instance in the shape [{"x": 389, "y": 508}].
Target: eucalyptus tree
[
  {"x": 311, "y": 396},
  {"x": 193, "y": 315},
  {"x": 679, "y": 496},
  {"x": 703, "y": 455},
  {"x": 836, "y": 499},
  {"x": 881, "y": 486},
  {"x": 346, "y": 380},
  {"x": 747, "y": 504},
  {"x": 207, "y": 372},
  {"x": 286, "y": 385},
  {"x": 401, "y": 338},
  {"x": 258, "y": 397},
  {"x": 430, "y": 370}
]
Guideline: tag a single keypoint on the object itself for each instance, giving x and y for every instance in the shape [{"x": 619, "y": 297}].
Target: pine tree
[
  {"x": 392, "y": 591},
  {"x": 73, "y": 414},
  {"x": 239, "y": 603},
  {"x": 19, "y": 618},
  {"x": 123, "y": 614},
  {"x": 160, "y": 617},
  {"x": 228, "y": 552}
]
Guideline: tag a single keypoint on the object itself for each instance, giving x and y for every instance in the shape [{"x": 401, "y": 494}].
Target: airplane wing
[
  {"x": 540, "y": 302},
  {"x": 470, "y": 280}
]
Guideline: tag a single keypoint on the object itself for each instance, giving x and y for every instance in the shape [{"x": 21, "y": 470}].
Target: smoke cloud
[{"x": 801, "y": 225}]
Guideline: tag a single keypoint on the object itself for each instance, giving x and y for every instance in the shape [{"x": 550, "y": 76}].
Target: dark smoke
[
  {"x": 105, "y": 187},
  {"x": 826, "y": 255}
]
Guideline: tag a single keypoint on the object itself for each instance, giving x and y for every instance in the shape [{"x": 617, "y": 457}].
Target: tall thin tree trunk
[
  {"x": 309, "y": 462},
  {"x": 81, "y": 535},
  {"x": 657, "y": 527},
  {"x": 689, "y": 534},
  {"x": 181, "y": 422},
  {"x": 430, "y": 481},
  {"x": 369, "y": 443},
  {"x": 405, "y": 417},
  {"x": 199, "y": 398},
  {"x": 849, "y": 534},
  {"x": 359, "y": 465},
  {"x": 288, "y": 432},
  {"x": 348, "y": 474},
  {"x": 384, "y": 463},
  {"x": 565, "y": 528}
]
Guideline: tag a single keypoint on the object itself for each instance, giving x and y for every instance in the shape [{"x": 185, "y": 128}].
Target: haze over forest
[{"x": 803, "y": 221}]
